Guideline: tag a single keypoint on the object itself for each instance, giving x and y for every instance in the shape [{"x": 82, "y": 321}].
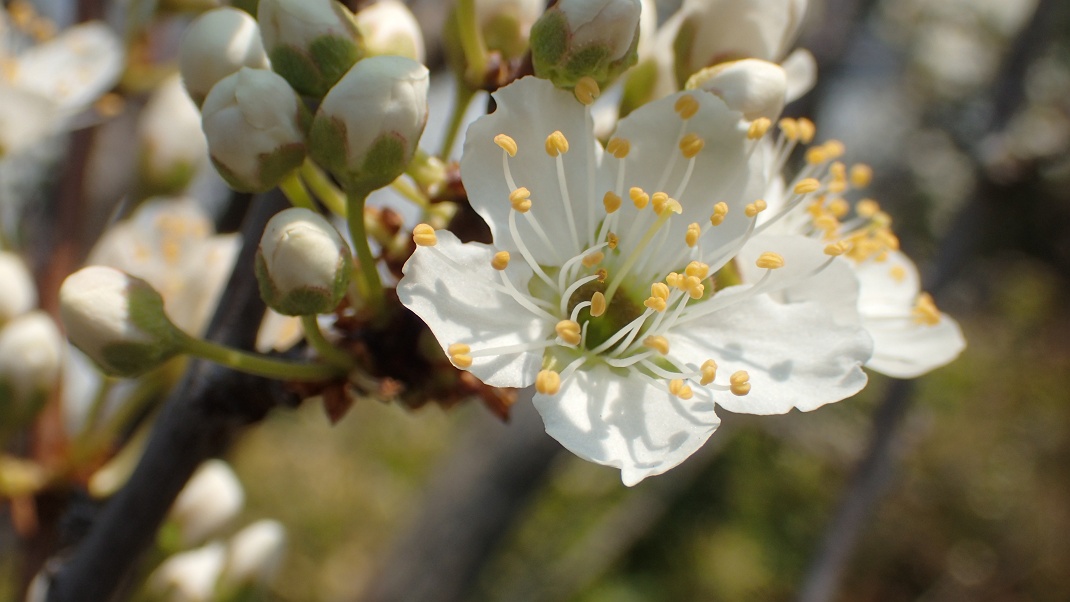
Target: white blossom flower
[
  {"x": 170, "y": 243},
  {"x": 255, "y": 553},
  {"x": 209, "y": 501},
  {"x": 910, "y": 335},
  {"x": 189, "y": 576},
  {"x": 44, "y": 85},
  {"x": 598, "y": 286}
]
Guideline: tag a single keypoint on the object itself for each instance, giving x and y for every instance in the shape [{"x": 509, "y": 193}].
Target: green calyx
[
  {"x": 384, "y": 161},
  {"x": 146, "y": 314},
  {"x": 554, "y": 58},
  {"x": 313, "y": 71},
  {"x": 305, "y": 300}
]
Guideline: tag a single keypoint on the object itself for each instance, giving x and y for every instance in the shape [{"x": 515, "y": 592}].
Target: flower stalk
[
  {"x": 373, "y": 285},
  {"x": 252, "y": 363}
]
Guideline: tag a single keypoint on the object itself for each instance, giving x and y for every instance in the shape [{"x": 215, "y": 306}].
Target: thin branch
[{"x": 199, "y": 421}]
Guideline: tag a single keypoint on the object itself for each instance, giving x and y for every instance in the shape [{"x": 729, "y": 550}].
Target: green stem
[
  {"x": 259, "y": 365},
  {"x": 461, "y": 98},
  {"x": 329, "y": 194},
  {"x": 373, "y": 286},
  {"x": 407, "y": 190},
  {"x": 296, "y": 192},
  {"x": 475, "y": 50},
  {"x": 323, "y": 347}
]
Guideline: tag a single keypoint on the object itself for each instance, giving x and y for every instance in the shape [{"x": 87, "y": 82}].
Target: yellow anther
[
  {"x": 838, "y": 170},
  {"x": 686, "y": 106},
  {"x": 602, "y": 274},
  {"x": 867, "y": 208},
  {"x": 839, "y": 207},
  {"x": 500, "y": 261},
  {"x": 679, "y": 389},
  {"x": 598, "y": 304},
  {"x": 826, "y": 222},
  {"x": 657, "y": 343},
  {"x": 611, "y": 201},
  {"x": 837, "y": 186},
  {"x": 697, "y": 269},
  {"x": 898, "y": 273},
  {"x": 720, "y": 210},
  {"x": 586, "y": 90},
  {"x": 556, "y": 144},
  {"x": 770, "y": 261},
  {"x": 807, "y": 186},
  {"x": 925, "y": 311},
  {"x": 755, "y": 208},
  {"x": 807, "y": 130},
  {"x": 548, "y": 382},
  {"x": 569, "y": 331},
  {"x": 740, "y": 383},
  {"x": 424, "y": 235},
  {"x": 639, "y": 198},
  {"x": 694, "y": 231},
  {"x": 816, "y": 155},
  {"x": 655, "y": 304},
  {"x": 589, "y": 261},
  {"x": 458, "y": 353},
  {"x": 881, "y": 219},
  {"x": 861, "y": 175},
  {"x": 506, "y": 143},
  {"x": 694, "y": 287},
  {"x": 109, "y": 105},
  {"x": 789, "y": 127},
  {"x": 670, "y": 205},
  {"x": 836, "y": 249},
  {"x": 834, "y": 148},
  {"x": 619, "y": 147},
  {"x": 758, "y": 128},
  {"x": 691, "y": 145},
  {"x": 659, "y": 290},
  {"x": 709, "y": 372},
  {"x": 612, "y": 240},
  {"x": 674, "y": 280},
  {"x": 520, "y": 199},
  {"x": 658, "y": 200}
]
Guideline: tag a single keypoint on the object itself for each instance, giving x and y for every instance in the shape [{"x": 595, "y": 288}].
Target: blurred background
[{"x": 955, "y": 486}]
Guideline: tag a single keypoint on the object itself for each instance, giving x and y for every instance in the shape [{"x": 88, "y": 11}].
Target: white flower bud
[
  {"x": 211, "y": 499},
  {"x": 218, "y": 43},
  {"x": 311, "y": 43},
  {"x": 506, "y": 24},
  {"x": 254, "y": 554},
  {"x": 117, "y": 320},
  {"x": 388, "y": 27},
  {"x": 31, "y": 355},
  {"x": 189, "y": 576},
  {"x": 753, "y": 87},
  {"x": 173, "y": 147},
  {"x": 367, "y": 128},
  {"x": 715, "y": 31},
  {"x": 255, "y": 124},
  {"x": 585, "y": 38},
  {"x": 19, "y": 293},
  {"x": 303, "y": 264}
]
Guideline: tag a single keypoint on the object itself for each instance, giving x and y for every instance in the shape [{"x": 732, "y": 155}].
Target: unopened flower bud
[
  {"x": 303, "y": 264},
  {"x": 172, "y": 144},
  {"x": 388, "y": 27},
  {"x": 254, "y": 554},
  {"x": 753, "y": 87},
  {"x": 506, "y": 24},
  {"x": 311, "y": 43},
  {"x": 18, "y": 294},
  {"x": 218, "y": 43},
  {"x": 31, "y": 355},
  {"x": 367, "y": 128},
  {"x": 585, "y": 38},
  {"x": 255, "y": 124},
  {"x": 117, "y": 320},
  {"x": 212, "y": 497}
]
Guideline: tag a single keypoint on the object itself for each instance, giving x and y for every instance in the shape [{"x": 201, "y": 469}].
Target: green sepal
[
  {"x": 385, "y": 160},
  {"x": 304, "y": 301}
]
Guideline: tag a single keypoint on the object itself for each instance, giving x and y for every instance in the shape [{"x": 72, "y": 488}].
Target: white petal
[
  {"x": 529, "y": 110},
  {"x": 25, "y": 118},
  {"x": 753, "y": 87},
  {"x": 801, "y": 69},
  {"x": 655, "y": 163},
  {"x": 460, "y": 306},
  {"x": 906, "y": 349},
  {"x": 74, "y": 68},
  {"x": 626, "y": 422},
  {"x": 887, "y": 287},
  {"x": 797, "y": 355}
]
